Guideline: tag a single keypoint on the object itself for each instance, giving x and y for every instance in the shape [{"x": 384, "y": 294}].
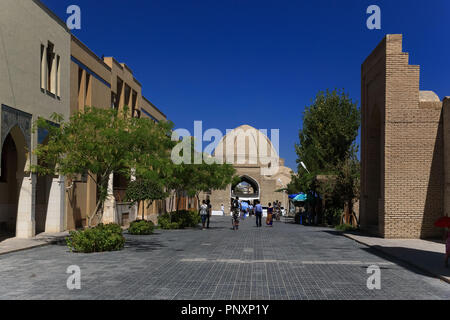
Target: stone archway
[
  {"x": 8, "y": 189},
  {"x": 14, "y": 160},
  {"x": 247, "y": 189}
]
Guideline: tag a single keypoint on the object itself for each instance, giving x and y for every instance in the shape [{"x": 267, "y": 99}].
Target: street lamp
[{"x": 303, "y": 165}]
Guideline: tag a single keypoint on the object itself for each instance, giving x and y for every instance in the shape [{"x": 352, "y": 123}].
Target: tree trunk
[
  {"x": 198, "y": 201},
  {"x": 91, "y": 217},
  {"x": 178, "y": 201}
]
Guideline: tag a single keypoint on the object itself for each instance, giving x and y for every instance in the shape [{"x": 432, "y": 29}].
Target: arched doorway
[
  {"x": 13, "y": 161},
  {"x": 247, "y": 189}
]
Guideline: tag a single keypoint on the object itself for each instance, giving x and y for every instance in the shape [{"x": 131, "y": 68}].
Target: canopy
[
  {"x": 292, "y": 196},
  {"x": 300, "y": 197}
]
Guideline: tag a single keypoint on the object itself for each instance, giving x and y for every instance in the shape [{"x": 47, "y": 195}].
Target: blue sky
[{"x": 260, "y": 63}]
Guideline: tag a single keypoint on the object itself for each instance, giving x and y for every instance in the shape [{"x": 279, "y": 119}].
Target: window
[
  {"x": 87, "y": 100},
  {"x": 50, "y": 70},
  {"x": 58, "y": 76},
  {"x": 43, "y": 68}
]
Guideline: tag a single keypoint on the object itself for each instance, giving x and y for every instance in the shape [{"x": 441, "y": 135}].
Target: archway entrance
[
  {"x": 247, "y": 189},
  {"x": 13, "y": 160}
]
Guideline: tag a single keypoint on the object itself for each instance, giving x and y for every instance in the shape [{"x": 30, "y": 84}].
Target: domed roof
[{"x": 246, "y": 145}]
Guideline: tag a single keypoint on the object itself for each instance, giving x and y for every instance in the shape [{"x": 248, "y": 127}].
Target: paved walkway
[
  {"x": 284, "y": 262},
  {"x": 15, "y": 244},
  {"x": 423, "y": 254}
]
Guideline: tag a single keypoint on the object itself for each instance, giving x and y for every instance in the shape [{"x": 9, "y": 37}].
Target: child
[{"x": 447, "y": 246}]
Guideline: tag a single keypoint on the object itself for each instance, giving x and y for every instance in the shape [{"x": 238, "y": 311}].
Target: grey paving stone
[{"x": 284, "y": 262}]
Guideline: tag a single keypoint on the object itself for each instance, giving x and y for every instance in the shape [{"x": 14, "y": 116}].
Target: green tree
[
  {"x": 330, "y": 127},
  {"x": 99, "y": 142},
  {"x": 347, "y": 186},
  {"x": 141, "y": 190},
  {"x": 327, "y": 147},
  {"x": 192, "y": 179}
]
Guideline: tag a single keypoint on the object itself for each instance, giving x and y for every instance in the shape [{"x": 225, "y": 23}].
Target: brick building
[{"x": 405, "y": 145}]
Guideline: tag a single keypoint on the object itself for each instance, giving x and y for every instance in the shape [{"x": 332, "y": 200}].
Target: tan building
[
  {"x": 105, "y": 83},
  {"x": 405, "y": 147},
  {"x": 90, "y": 85},
  {"x": 35, "y": 64},
  {"x": 258, "y": 165},
  {"x": 47, "y": 70}
]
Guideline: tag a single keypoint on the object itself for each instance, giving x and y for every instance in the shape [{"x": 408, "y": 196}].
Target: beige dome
[{"x": 246, "y": 145}]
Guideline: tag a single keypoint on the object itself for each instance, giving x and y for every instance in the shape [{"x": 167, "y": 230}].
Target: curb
[{"x": 438, "y": 276}]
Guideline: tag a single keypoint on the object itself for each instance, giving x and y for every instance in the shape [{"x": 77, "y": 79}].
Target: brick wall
[{"x": 402, "y": 147}]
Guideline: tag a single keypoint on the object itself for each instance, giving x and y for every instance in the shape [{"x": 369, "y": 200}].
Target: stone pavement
[
  {"x": 423, "y": 254},
  {"x": 284, "y": 262},
  {"x": 15, "y": 244}
]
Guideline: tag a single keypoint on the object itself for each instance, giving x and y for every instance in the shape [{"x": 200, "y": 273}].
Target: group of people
[
  {"x": 242, "y": 209},
  {"x": 245, "y": 208}
]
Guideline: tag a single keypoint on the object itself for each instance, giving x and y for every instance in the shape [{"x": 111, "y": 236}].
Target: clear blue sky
[{"x": 257, "y": 62}]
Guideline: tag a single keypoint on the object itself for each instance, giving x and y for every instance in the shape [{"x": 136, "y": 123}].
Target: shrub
[
  {"x": 141, "y": 227},
  {"x": 346, "y": 227},
  {"x": 332, "y": 215},
  {"x": 179, "y": 220},
  {"x": 98, "y": 239}
]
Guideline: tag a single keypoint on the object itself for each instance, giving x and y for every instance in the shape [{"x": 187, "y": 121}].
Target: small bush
[
  {"x": 346, "y": 227},
  {"x": 141, "y": 227},
  {"x": 98, "y": 239},
  {"x": 182, "y": 219}
]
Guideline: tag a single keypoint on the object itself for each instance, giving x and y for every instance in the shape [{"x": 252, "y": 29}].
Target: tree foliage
[
  {"x": 327, "y": 147},
  {"x": 145, "y": 189},
  {"x": 99, "y": 142},
  {"x": 191, "y": 178},
  {"x": 330, "y": 127}
]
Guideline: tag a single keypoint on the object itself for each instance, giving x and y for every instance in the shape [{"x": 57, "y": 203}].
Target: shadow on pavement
[
  {"x": 142, "y": 243},
  {"x": 428, "y": 263},
  {"x": 422, "y": 262}
]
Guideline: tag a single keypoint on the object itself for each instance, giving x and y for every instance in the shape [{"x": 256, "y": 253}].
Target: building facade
[
  {"x": 47, "y": 70},
  {"x": 34, "y": 62},
  {"x": 405, "y": 147}
]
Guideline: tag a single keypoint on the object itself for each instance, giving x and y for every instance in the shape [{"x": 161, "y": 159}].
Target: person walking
[
  {"x": 269, "y": 220},
  {"x": 235, "y": 209},
  {"x": 244, "y": 207},
  {"x": 208, "y": 203},
  {"x": 277, "y": 209},
  {"x": 222, "y": 208},
  {"x": 258, "y": 213},
  {"x": 203, "y": 213}
]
